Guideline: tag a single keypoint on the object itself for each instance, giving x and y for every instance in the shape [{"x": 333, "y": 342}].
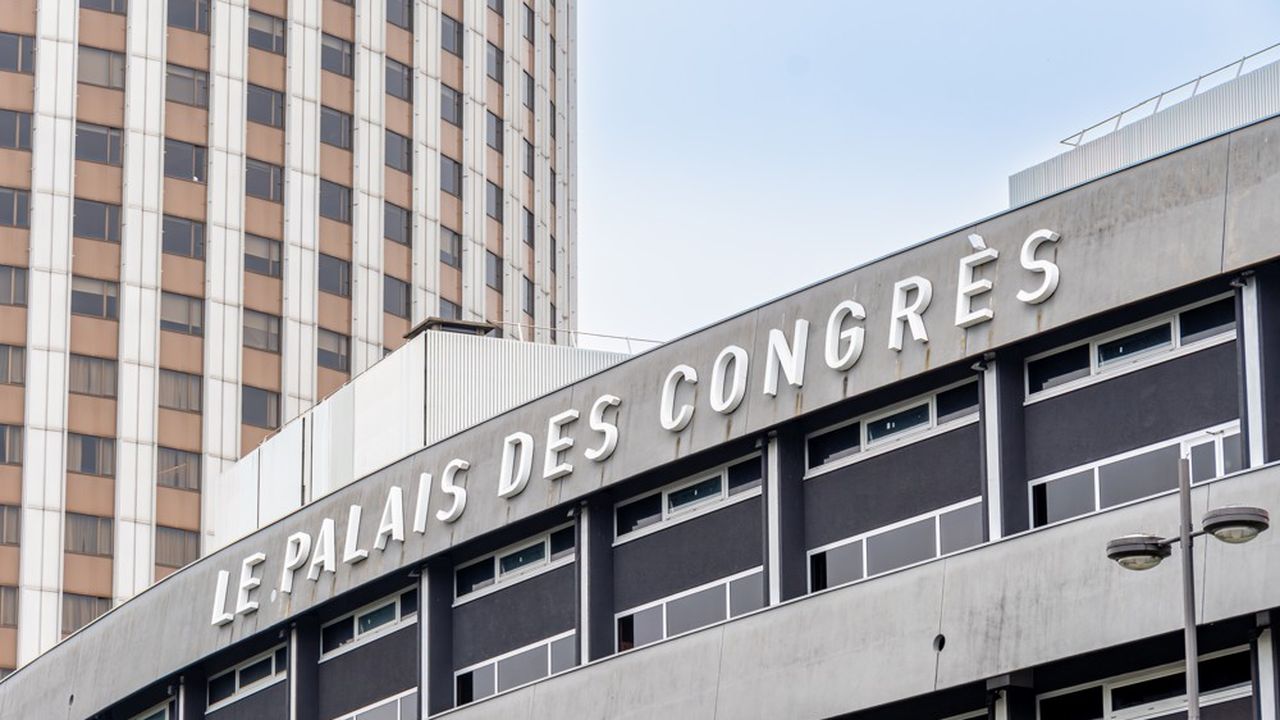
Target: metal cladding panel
[
  {"x": 236, "y": 513},
  {"x": 280, "y": 474},
  {"x": 332, "y": 428},
  {"x": 366, "y": 674},
  {"x": 520, "y": 615},
  {"x": 391, "y": 390},
  {"x": 272, "y": 702}
]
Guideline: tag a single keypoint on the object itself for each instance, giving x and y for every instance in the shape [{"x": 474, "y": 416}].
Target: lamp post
[{"x": 1232, "y": 524}]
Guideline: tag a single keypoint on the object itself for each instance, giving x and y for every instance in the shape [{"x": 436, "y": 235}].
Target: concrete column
[
  {"x": 1249, "y": 341},
  {"x": 596, "y": 621},
  {"x": 436, "y": 612},
  {"x": 785, "y": 560},
  {"x": 191, "y": 695},
  {"x": 367, "y": 178},
  {"x": 1002, "y": 391},
  {"x": 1266, "y": 681},
  {"x": 989, "y": 424},
  {"x": 304, "y": 669},
  {"x": 1012, "y": 697},
  {"x": 426, "y": 159},
  {"x": 1265, "y": 300}
]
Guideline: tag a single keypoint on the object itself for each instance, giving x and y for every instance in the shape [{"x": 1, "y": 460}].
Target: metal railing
[
  {"x": 1172, "y": 96},
  {"x": 578, "y": 335}
]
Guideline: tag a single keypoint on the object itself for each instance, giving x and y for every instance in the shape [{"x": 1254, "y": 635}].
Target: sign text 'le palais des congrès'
[{"x": 842, "y": 346}]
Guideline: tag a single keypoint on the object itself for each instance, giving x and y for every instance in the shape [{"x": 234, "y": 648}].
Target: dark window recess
[
  {"x": 694, "y": 494},
  {"x": 898, "y": 422},
  {"x": 266, "y": 32},
  {"x": 493, "y": 131},
  {"x": 451, "y": 105},
  {"x": 745, "y": 475},
  {"x": 335, "y": 275},
  {"x": 180, "y": 236},
  {"x": 262, "y": 255},
  {"x": 522, "y": 558},
  {"x": 184, "y": 161},
  {"x": 95, "y": 220},
  {"x": 399, "y": 80},
  {"x": 1064, "y": 498},
  {"x": 473, "y": 577},
  {"x": 530, "y": 227},
  {"x": 337, "y": 635},
  {"x": 400, "y": 13},
  {"x": 222, "y": 687},
  {"x": 529, "y": 158},
  {"x": 1135, "y": 344},
  {"x": 111, "y": 6},
  {"x": 399, "y": 152},
  {"x": 333, "y": 351},
  {"x": 450, "y": 175},
  {"x": 17, "y": 53},
  {"x": 493, "y": 62},
  {"x": 265, "y": 106},
  {"x": 263, "y": 180},
  {"x": 450, "y": 310},
  {"x": 397, "y": 223},
  {"x": 181, "y": 314},
  {"x": 335, "y": 55},
  {"x": 335, "y": 128},
  {"x": 836, "y": 566},
  {"x": 335, "y": 201},
  {"x": 451, "y": 35},
  {"x": 15, "y": 130},
  {"x": 450, "y": 248},
  {"x": 1057, "y": 369},
  {"x": 640, "y": 628},
  {"x": 189, "y": 15},
  {"x": 260, "y": 407},
  {"x": 562, "y": 543},
  {"x": 1080, "y": 705},
  {"x": 957, "y": 402},
  {"x": 493, "y": 271},
  {"x": 396, "y": 297},
  {"x": 528, "y": 90},
  {"x": 639, "y": 514},
  {"x": 530, "y": 297},
  {"x": 94, "y": 143},
  {"x": 94, "y": 298},
  {"x": 834, "y": 444},
  {"x": 493, "y": 200},
  {"x": 187, "y": 86},
  {"x": 1208, "y": 320}
]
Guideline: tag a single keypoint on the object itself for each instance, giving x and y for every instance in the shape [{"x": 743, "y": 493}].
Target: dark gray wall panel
[
  {"x": 688, "y": 554},
  {"x": 920, "y": 477},
  {"x": 370, "y": 672},
  {"x": 1132, "y": 410},
  {"x": 269, "y": 704},
  {"x": 1269, "y": 310},
  {"x": 599, "y": 610},
  {"x": 791, "y": 550},
  {"x": 516, "y": 616}
]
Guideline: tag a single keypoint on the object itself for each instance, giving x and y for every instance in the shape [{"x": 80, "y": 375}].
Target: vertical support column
[
  {"x": 191, "y": 695},
  {"x": 989, "y": 422},
  {"x": 1253, "y": 420},
  {"x": 474, "y": 83},
  {"x": 437, "y": 614},
  {"x": 772, "y": 522},
  {"x": 304, "y": 669},
  {"x": 1262, "y": 292},
  {"x": 426, "y": 159},
  {"x": 1013, "y": 697},
  {"x": 1266, "y": 674},
  {"x": 1004, "y": 445},
  {"x": 366, "y": 195},
  {"x": 784, "y": 497},
  {"x": 567, "y": 240},
  {"x": 582, "y": 582},
  {"x": 597, "y": 573}
]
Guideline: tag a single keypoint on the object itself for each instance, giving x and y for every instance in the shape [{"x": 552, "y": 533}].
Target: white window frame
[
  {"x": 728, "y": 609},
  {"x": 151, "y": 711},
  {"x": 1099, "y": 372},
  {"x": 384, "y": 701},
  {"x": 254, "y": 687},
  {"x": 502, "y": 580},
  {"x": 545, "y": 642},
  {"x": 1213, "y": 433},
  {"x": 936, "y": 515},
  {"x": 693, "y": 510},
  {"x": 358, "y": 639},
  {"x": 869, "y": 449}
]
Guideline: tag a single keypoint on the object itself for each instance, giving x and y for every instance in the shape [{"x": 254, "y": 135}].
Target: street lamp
[{"x": 1233, "y": 524}]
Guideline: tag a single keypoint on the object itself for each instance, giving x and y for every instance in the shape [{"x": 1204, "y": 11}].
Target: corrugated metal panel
[
  {"x": 332, "y": 440},
  {"x": 1249, "y": 98},
  {"x": 388, "y": 410},
  {"x": 235, "y": 513},
  {"x": 280, "y": 474}
]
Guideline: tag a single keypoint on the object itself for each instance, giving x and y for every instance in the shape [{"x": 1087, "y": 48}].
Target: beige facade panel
[
  {"x": 102, "y": 30},
  {"x": 14, "y": 246},
  {"x": 328, "y": 381},
  {"x": 263, "y": 217},
  {"x": 399, "y": 45},
  {"x": 335, "y": 164},
  {"x": 99, "y": 105},
  {"x": 279, "y": 8},
  {"x": 451, "y": 211},
  {"x": 180, "y": 430},
  {"x": 493, "y": 164},
  {"x": 398, "y": 187},
  {"x": 493, "y": 26},
  {"x": 262, "y": 293},
  {"x": 91, "y": 495},
  {"x": 18, "y": 91},
  {"x": 19, "y": 16},
  {"x": 95, "y": 258},
  {"x": 266, "y": 69},
  {"x": 335, "y": 313},
  {"x": 184, "y": 198},
  {"x": 182, "y": 274},
  {"x": 339, "y": 19},
  {"x": 12, "y": 402},
  {"x": 451, "y": 69},
  {"x": 528, "y": 54},
  {"x": 8, "y": 646},
  {"x": 397, "y": 260},
  {"x": 86, "y": 575},
  {"x": 252, "y": 436},
  {"x": 261, "y": 369},
  {"x": 399, "y": 116},
  {"x": 181, "y": 352},
  {"x": 493, "y": 95},
  {"x": 187, "y": 48},
  {"x": 264, "y": 143},
  {"x": 186, "y": 123},
  {"x": 95, "y": 181},
  {"x": 452, "y": 8},
  {"x": 492, "y": 305},
  {"x": 8, "y": 568},
  {"x": 13, "y": 325},
  {"x": 162, "y": 572},
  {"x": 15, "y": 167},
  {"x": 178, "y": 508},
  {"x": 451, "y": 140},
  {"x": 336, "y": 92},
  {"x": 394, "y": 329},
  {"x": 492, "y": 235},
  {"x": 94, "y": 336},
  {"x": 10, "y": 484},
  {"x": 451, "y": 284},
  {"x": 335, "y": 238},
  {"x": 91, "y": 415}
]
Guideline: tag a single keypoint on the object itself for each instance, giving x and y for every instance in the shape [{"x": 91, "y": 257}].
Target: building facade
[
  {"x": 214, "y": 213},
  {"x": 886, "y": 495}
]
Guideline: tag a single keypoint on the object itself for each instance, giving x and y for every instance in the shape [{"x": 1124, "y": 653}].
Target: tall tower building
[{"x": 212, "y": 214}]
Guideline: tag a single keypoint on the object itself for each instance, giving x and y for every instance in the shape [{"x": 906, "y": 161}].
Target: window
[
  {"x": 517, "y": 562},
  {"x": 529, "y": 227},
  {"x": 397, "y": 223},
  {"x": 9, "y": 604},
  {"x": 552, "y": 321},
  {"x": 552, "y": 55},
  {"x": 335, "y": 275},
  {"x": 15, "y": 130},
  {"x": 529, "y": 158},
  {"x": 404, "y": 705},
  {"x": 450, "y": 176},
  {"x": 261, "y": 408},
  {"x": 94, "y": 298},
  {"x": 530, "y": 297},
  {"x": 528, "y": 91},
  {"x": 734, "y": 481},
  {"x": 691, "y": 609},
  {"x": 514, "y": 669},
  {"x": 10, "y": 524},
  {"x": 493, "y": 131},
  {"x": 493, "y": 271},
  {"x": 257, "y": 672},
  {"x": 913, "y": 420},
  {"x": 335, "y": 128},
  {"x": 94, "y": 143},
  {"x": 450, "y": 247},
  {"x": 101, "y": 67},
  {"x": 399, "y": 80},
  {"x": 395, "y": 296},
  {"x": 530, "y": 23},
  {"x": 551, "y": 252},
  {"x": 88, "y": 534},
  {"x": 266, "y": 32},
  {"x": 451, "y": 35},
  {"x": 496, "y": 5},
  {"x": 335, "y": 201},
  {"x": 399, "y": 152},
  {"x": 369, "y": 622},
  {"x": 91, "y": 455},
  {"x": 263, "y": 180},
  {"x": 10, "y": 445},
  {"x": 265, "y": 106},
  {"x": 184, "y": 161},
  {"x": 14, "y": 207},
  {"x": 333, "y": 351},
  {"x": 450, "y": 310},
  {"x": 92, "y": 376},
  {"x": 450, "y": 105},
  {"x": 400, "y": 13},
  {"x": 493, "y": 62},
  {"x": 262, "y": 255},
  {"x": 80, "y": 610},
  {"x": 177, "y": 469},
  {"x": 189, "y": 14},
  {"x": 13, "y": 285},
  {"x": 181, "y": 314},
  {"x": 111, "y": 6},
  {"x": 96, "y": 221},
  {"x": 17, "y": 53},
  {"x": 551, "y": 187},
  {"x": 13, "y": 365},
  {"x": 552, "y": 120},
  {"x": 176, "y": 548},
  {"x": 180, "y": 391},
  {"x": 493, "y": 201},
  {"x": 180, "y": 236},
  {"x": 335, "y": 55},
  {"x": 262, "y": 331},
  {"x": 187, "y": 86},
  {"x": 1192, "y": 328}
]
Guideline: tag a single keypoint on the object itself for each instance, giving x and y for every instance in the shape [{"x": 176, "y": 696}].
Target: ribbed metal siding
[{"x": 1249, "y": 98}]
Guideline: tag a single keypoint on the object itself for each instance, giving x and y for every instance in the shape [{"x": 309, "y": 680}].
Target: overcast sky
[{"x": 730, "y": 151}]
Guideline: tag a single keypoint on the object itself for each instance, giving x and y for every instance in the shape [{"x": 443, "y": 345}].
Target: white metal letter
[
  {"x": 1048, "y": 267},
  {"x": 837, "y": 333},
  {"x": 672, "y": 420},
  {"x": 517, "y": 463},
  {"x": 322, "y": 554},
  {"x": 600, "y": 425},
  {"x": 552, "y": 468},
  {"x": 967, "y": 288},
  {"x": 392, "y": 525},
  {"x": 720, "y": 401},
  {"x": 351, "y": 553},
  {"x": 789, "y": 358},
  {"x": 295, "y": 556},
  {"x": 910, "y": 314},
  {"x": 420, "y": 506},
  {"x": 248, "y": 582},
  {"x": 220, "y": 614},
  {"x": 452, "y": 489}
]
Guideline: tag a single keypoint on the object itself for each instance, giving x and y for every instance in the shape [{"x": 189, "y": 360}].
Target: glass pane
[
  {"x": 1226, "y": 671},
  {"x": 408, "y": 603},
  {"x": 1208, "y": 320},
  {"x": 336, "y": 635},
  {"x": 482, "y": 682},
  {"x": 523, "y": 558},
  {"x": 844, "y": 564},
  {"x": 222, "y": 687},
  {"x": 641, "y": 628},
  {"x": 1058, "y": 369},
  {"x": 746, "y": 594},
  {"x": 1232, "y": 453},
  {"x": 1204, "y": 462},
  {"x": 691, "y": 494},
  {"x": 834, "y": 444},
  {"x": 1135, "y": 344},
  {"x": 746, "y": 475},
  {"x": 474, "y": 577},
  {"x": 1139, "y": 476},
  {"x": 1064, "y": 498},
  {"x": 563, "y": 654},
  {"x": 694, "y": 611},
  {"x": 253, "y": 673},
  {"x": 524, "y": 668},
  {"x": 1080, "y": 705},
  {"x": 898, "y": 422},
  {"x": 961, "y": 528},
  {"x": 639, "y": 514},
  {"x": 562, "y": 543},
  {"x": 957, "y": 402},
  {"x": 901, "y": 546},
  {"x": 385, "y": 711},
  {"x": 409, "y": 707},
  {"x": 1148, "y": 691},
  {"x": 376, "y": 618}
]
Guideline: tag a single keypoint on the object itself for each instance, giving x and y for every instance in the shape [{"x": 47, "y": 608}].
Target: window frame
[
  {"x": 697, "y": 509},
  {"x": 502, "y": 581},
  {"x": 202, "y": 20},
  {"x": 240, "y": 693},
  {"x": 199, "y": 80},
  {"x": 662, "y": 602},
  {"x": 344, "y": 358},
  {"x": 244, "y": 389},
  {"x": 358, "y": 638},
  {"x": 346, "y": 121},
  {"x": 546, "y": 643},
  {"x": 114, "y": 140},
  {"x": 111, "y": 57},
  {"x": 405, "y": 155},
  {"x": 392, "y": 67},
  {"x": 451, "y": 28},
  {"x": 199, "y": 160},
  {"x": 110, "y": 293},
  {"x": 191, "y": 301},
  {"x": 26, "y": 53},
  {"x": 273, "y": 332},
  {"x": 277, "y": 249},
  {"x": 347, "y": 50},
  {"x": 279, "y": 33},
  {"x": 110, "y": 220},
  {"x": 275, "y": 179},
  {"x": 277, "y": 109}
]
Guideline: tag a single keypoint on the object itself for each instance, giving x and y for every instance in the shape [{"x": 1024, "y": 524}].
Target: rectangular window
[
  {"x": 180, "y": 391},
  {"x": 493, "y": 131},
  {"x": 552, "y": 120},
  {"x": 529, "y": 91},
  {"x": 493, "y": 200},
  {"x": 529, "y": 227},
  {"x": 399, "y": 80},
  {"x": 335, "y": 275},
  {"x": 1206, "y": 321},
  {"x": 96, "y": 220},
  {"x": 13, "y": 285},
  {"x": 335, "y": 201},
  {"x": 395, "y": 296},
  {"x": 493, "y": 62},
  {"x": 15, "y": 130},
  {"x": 187, "y": 86},
  {"x": 912, "y": 418},
  {"x": 369, "y": 622},
  {"x": 189, "y": 15},
  {"x": 333, "y": 351},
  {"x": 101, "y": 67},
  {"x": 708, "y": 489},
  {"x": 263, "y": 180},
  {"x": 551, "y": 187},
  {"x": 180, "y": 236},
  {"x": 267, "y": 32},
  {"x": 262, "y": 255},
  {"x": 552, "y": 55},
  {"x": 111, "y": 6},
  {"x": 260, "y": 408},
  {"x": 257, "y": 672},
  {"x": 14, "y": 207},
  {"x": 493, "y": 270},
  {"x": 92, "y": 376},
  {"x": 450, "y": 247},
  {"x": 450, "y": 310},
  {"x": 400, "y": 13},
  {"x": 91, "y": 455},
  {"x": 262, "y": 331},
  {"x": 88, "y": 534},
  {"x": 94, "y": 143},
  {"x": 265, "y": 106},
  {"x": 181, "y": 314},
  {"x": 13, "y": 365},
  {"x": 517, "y": 562},
  {"x": 80, "y": 610},
  {"x": 10, "y": 445},
  {"x": 451, "y": 35},
  {"x": 515, "y": 669},
  {"x": 551, "y": 253},
  {"x": 176, "y": 548},
  {"x": 690, "y": 610},
  {"x": 553, "y": 321},
  {"x": 397, "y": 223},
  {"x": 8, "y": 605},
  {"x": 530, "y": 23},
  {"x": 495, "y": 5},
  {"x": 399, "y": 152},
  {"x": 177, "y": 469},
  {"x": 450, "y": 105},
  {"x": 184, "y": 161},
  {"x": 529, "y": 158},
  {"x": 335, "y": 55},
  {"x": 530, "y": 297},
  {"x": 335, "y": 128},
  {"x": 450, "y": 176},
  {"x": 1135, "y": 344},
  {"x": 17, "y": 53},
  {"x": 94, "y": 298},
  {"x": 10, "y": 524}
]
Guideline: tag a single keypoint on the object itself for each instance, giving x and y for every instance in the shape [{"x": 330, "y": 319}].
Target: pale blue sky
[{"x": 733, "y": 150}]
